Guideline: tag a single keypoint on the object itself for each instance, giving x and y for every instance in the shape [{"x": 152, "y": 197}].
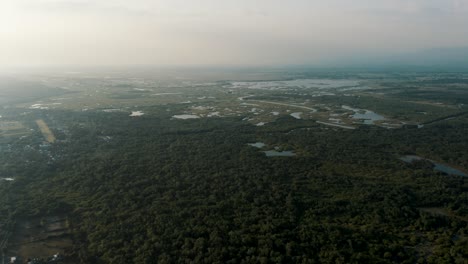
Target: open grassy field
[
  {"x": 40, "y": 237},
  {"x": 12, "y": 128}
]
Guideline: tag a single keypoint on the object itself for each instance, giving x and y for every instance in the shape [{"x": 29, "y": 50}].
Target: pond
[
  {"x": 367, "y": 116},
  {"x": 296, "y": 115},
  {"x": 449, "y": 170},
  {"x": 7, "y": 179},
  {"x": 257, "y": 144},
  {"x": 137, "y": 113},
  {"x": 185, "y": 116},
  {"x": 274, "y": 153},
  {"x": 437, "y": 166}
]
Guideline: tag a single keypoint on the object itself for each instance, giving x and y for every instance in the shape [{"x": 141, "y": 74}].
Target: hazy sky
[{"x": 228, "y": 32}]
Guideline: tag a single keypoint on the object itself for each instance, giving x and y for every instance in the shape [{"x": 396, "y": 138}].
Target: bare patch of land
[
  {"x": 40, "y": 237},
  {"x": 12, "y": 128},
  {"x": 48, "y": 135}
]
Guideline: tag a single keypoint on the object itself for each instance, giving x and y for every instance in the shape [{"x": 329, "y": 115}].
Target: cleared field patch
[
  {"x": 48, "y": 135},
  {"x": 40, "y": 237},
  {"x": 12, "y": 128}
]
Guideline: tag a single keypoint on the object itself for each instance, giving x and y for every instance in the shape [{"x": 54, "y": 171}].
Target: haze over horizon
[{"x": 209, "y": 32}]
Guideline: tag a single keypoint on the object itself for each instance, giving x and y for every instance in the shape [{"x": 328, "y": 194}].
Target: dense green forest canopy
[{"x": 153, "y": 189}]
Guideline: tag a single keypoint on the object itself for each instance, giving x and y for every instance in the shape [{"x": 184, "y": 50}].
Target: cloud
[
  {"x": 213, "y": 31},
  {"x": 97, "y": 7}
]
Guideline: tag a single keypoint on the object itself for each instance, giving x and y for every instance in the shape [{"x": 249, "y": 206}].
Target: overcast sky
[{"x": 223, "y": 32}]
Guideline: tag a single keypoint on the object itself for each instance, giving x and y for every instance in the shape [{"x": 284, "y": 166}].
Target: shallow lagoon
[
  {"x": 437, "y": 166},
  {"x": 298, "y": 83}
]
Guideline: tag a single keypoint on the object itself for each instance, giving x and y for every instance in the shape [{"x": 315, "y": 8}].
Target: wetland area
[{"x": 293, "y": 166}]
